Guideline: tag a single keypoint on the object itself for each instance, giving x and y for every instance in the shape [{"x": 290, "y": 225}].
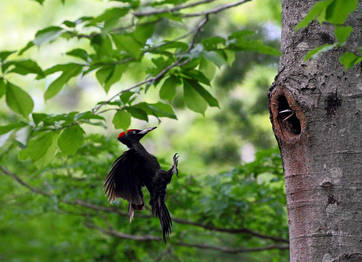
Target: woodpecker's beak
[{"x": 145, "y": 131}]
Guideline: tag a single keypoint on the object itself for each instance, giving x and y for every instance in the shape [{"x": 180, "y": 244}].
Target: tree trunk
[{"x": 316, "y": 112}]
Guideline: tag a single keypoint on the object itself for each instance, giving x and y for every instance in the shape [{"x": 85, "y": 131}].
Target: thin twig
[
  {"x": 181, "y": 243},
  {"x": 162, "y": 73},
  {"x": 233, "y": 250},
  {"x": 166, "y": 10},
  {"x": 112, "y": 232},
  {"x": 231, "y": 230},
  {"x": 217, "y": 9},
  {"x": 21, "y": 182}
]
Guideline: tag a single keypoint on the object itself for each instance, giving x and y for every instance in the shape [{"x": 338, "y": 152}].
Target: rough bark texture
[{"x": 320, "y": 140}]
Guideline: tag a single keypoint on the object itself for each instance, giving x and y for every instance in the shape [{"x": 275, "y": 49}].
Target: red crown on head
[{"x": 129, "y": 130}]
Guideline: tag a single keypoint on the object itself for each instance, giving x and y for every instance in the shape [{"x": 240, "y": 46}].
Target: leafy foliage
[
  {"x": 113, "y": 51},
  {"x": 335, "y": 12},
  {"x": 230, "y": 206}
]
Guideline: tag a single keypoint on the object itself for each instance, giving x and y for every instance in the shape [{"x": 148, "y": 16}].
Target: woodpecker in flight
[{"x": 135, "y": 169}]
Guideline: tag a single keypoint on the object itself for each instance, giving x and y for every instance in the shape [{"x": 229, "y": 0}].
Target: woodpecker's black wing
[{"x": 123, "y": 180}]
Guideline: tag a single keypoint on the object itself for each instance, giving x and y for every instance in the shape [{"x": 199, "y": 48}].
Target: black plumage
[{"x": 135, "y": 169}]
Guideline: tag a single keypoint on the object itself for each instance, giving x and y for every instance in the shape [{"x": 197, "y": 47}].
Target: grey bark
[{"x": 319, "y": 133}]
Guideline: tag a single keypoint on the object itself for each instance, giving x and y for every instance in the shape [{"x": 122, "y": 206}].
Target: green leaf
[
  {"x": 203, "y": 92},
  {"x": 240, "y": 34},
  {"x": 40, "y": 1},
  {"x": 2, "y": 87},
  {"x": 125, "y": 97},
  {"x": 78, "y": 52},
  {"x": 71, "y": 139},
  {"x": 168, "y": 88},
  {"x": 197, "y": 75},
  {"x": 318, "y": 9},
  {"x": 216, "y": 57},
  {"x": 41, "y": 149},
  {"x": 207, "y": 68},
  {"x": 137, "y": 113},
  {"x": 342, "y": 33},
  {"x": 143, "y": 32},
  {"x": 24, "y": 67},
  {"x": 349, "y": 59},
  {"x": 102, "y": 44},
  {"x": 70, "y": 70},
  {"x": 122, "y": 119},
  {"x": 18, "y": 100},
  {"x": 87, "y": 116},
  {"x": 128, "y": 43},
  {"x": 28, "y": 46},
  {"x": 38, "y": 117},
  {"x": 110, "y": 74},
  {"x": 46, "y": 35},
  {"x": 157, "y": 109},
  {"x": 338, "y": 11},
  {"x": 9, "y": 127},
  {"x": 193, "y": 100},
  {"x": 320, "y": 49},
  {"x": 213, "y": 42},
  {"x": 5, "y": 54}
]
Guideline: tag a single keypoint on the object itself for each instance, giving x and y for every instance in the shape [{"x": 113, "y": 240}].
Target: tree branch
[
  {"x": 125, "y": 214},
  {"x": 112, "y": 232},
  {"x": 162, "y": 73},
  {"x": 233, "y": 250},
  {"x": 217, "y": 9},
  {"x": 181, "y": 243},
  {"x": 21, "y": 182},
  {"x": 231, "y": 230},
  {"x": 166, "y": 10}
]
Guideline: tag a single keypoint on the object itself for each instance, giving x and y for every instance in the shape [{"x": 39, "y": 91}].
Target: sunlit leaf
[
  {"x": 5, "y": 54},
  {"x": 69, "y": 71},
  {"x": 42, "y": 146},
  {"x": 203, "y": 92},
  {"x": 193, "y": 99},
  {"x": 2, "y": 87},
  {"x": 349, "y": 59},
  {"x": 168, "y": 88},
  {"x": 158, "y": 109},
  {"x": 342, "y": 33},
  {"x": 71, "y": 139},
  {"x": 9, "y": 127},
  {"x": 24, "y": 67},
  {"x": 319, "y": 50},
  {"x": 18, "y": 100},
  {"x": 128, "y": 43},
  {"x": 80, "y": 53},
  {"x": 122, "y": 119},
  {"x": 338, "y": 11},
  {"x": 46, "y": 35},
  {"x": 317, "y": 10},
  {"x": 110, "y": 74},
  {"x": 137, "y": 113}
]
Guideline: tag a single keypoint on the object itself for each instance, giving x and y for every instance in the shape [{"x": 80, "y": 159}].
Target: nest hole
[{"x": 287, "y": 117}]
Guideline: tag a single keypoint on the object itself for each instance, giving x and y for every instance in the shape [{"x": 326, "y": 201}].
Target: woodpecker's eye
[{"x": 134, "y": 132}]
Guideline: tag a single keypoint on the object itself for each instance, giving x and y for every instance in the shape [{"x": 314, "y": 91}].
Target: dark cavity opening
[{"x": 288, "y": 119}]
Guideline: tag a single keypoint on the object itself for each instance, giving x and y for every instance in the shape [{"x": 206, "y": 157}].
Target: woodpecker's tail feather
[{"x": 165, "y": 219}]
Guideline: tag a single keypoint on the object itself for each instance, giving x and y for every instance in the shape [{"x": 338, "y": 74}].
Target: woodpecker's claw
[{"x": 175, "y": 163}]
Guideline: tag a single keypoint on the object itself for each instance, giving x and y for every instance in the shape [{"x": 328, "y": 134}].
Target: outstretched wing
[{"x": 122, "y": 181}]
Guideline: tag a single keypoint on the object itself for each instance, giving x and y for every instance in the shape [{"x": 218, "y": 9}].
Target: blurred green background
[{"x": 230, "y": 168}]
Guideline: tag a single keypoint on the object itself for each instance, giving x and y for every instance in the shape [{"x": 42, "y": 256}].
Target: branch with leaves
[{"x": 183, "y": 61}]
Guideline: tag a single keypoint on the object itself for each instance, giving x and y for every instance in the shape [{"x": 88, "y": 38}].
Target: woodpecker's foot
[
  {"x": 175, "y": 163},
  {"x": 130, "y": 212}
]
